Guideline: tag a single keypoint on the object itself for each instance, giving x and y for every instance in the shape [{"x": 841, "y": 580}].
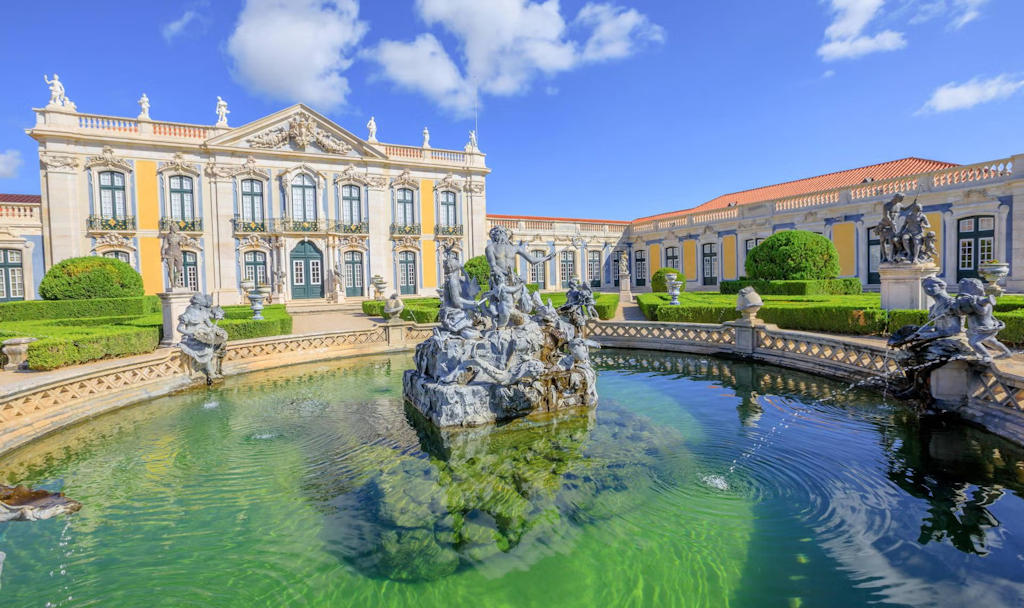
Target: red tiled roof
[
  {"x": 839, "y": 179},
  {"x": 550, "y": 219},
  {"x": 20, "y": 198}
]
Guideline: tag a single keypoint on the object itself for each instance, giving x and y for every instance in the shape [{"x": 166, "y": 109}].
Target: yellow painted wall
[
  {"x": 729, "y": 257},
  {"x": 149, "y": 262},
  {"x": 655, "y": 258},
  {"x": 844, "y": 238},
  {"x": 146, "y": 196},
  {"x": 690, "y": 259},
  {"x": 935, "y": 219},
  {"x": 429, "y": 263},
  {"x": 427, "y": 208}
]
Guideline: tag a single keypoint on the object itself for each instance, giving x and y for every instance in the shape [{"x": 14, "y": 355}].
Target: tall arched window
[
  {"x": 256, "y": 267},
  {"x": 567, "y": 266},
  {"x": 181, "y": 197},
  {"x": 538, "y": 273},
  {"x": 404, "y": 208},
  {"x": 252, "y": 200},
  {"x": 12, "y": 276},
  {"x": 303, "y": 198},
  {"x": 351, "y": 205},
  {"x": 448, "y": 216},
  {"x": 112, "y": 199},
  {"x": 672, "y": 257}
]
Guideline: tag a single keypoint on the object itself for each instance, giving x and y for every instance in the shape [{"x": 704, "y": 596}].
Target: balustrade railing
[
  {"x": 405, "y": 229},
  {"x": 19, "y": 213},
  {"x": 450, "y": 230},
  {"x": 183, "y": 225},
  {"x": 240, "y": 224},
  {"x": 292, "y": 225},
  {"x": 184, "y": 131},
  {"x": 349, "y": 227},
  {"x": 107, "y": 123},
  {"x": 98, "y": 223}
]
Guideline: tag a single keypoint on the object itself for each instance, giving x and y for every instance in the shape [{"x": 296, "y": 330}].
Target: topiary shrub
[
  {"x": 479, "y": 269},
  {"x": 90, "y": 277},
  {"x": 793, "y": 255},
  {"x": 659, "y": 280}
]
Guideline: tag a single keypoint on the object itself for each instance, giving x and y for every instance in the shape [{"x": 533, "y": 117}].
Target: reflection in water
[{"x": 495, "y": 498}]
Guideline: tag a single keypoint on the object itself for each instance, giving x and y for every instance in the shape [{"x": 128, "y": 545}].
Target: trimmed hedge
[
  {"x": 793, "y": 255},
  {"x": 31, "y": 310},
  {"x": 90, "y": 277},
  {"x": 426, "y": 310},
  {"x": 659, "y": 280},
  {"x": 60, "y": 350},
  {"x": 479, "y": 269},
  {"x": 820, "y": 287}
]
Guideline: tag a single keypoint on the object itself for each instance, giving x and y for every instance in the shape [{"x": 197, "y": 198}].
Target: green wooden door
[
  {"x": 307, "y": 272},
  {"x": 406, "y": 272},
  {"x": 975, "y": 244},
  {"x": 353, "y": 274}
]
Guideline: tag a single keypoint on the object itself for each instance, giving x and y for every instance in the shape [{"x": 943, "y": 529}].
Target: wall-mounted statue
[
  {"x": 201, "y": 339},
  {"x": 172, "y": 256}
]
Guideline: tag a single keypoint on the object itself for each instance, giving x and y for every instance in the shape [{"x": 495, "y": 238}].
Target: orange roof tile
[
  {"x": 20, "y": 198},
  {"x": 839, "y": 179}
]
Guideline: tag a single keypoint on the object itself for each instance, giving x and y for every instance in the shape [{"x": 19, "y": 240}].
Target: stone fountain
[{"x": 502, "y": 354}]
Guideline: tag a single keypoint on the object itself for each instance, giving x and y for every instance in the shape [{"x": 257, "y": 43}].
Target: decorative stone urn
[
  {"x": 994, "y": 272},
  {"x": 256, "y": 297},
  {"x": 673, "y": 287},
  {"x": 16, "y": 350}
]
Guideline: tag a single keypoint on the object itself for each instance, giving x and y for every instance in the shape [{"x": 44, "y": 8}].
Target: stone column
[
  {"x": 379, "y": 242},
  {"x": 223, "y": 283},
  {"x": 173, "y": 303},
  {"x": 901, "y": 285}
]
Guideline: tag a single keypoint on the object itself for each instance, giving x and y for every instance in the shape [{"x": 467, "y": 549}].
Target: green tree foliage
[
  {"x": 793, "y": 255},
  {"x": 479, "y": 269},
  {"x": 90, "y": 277},
  {"x": 659, "y": 280}
]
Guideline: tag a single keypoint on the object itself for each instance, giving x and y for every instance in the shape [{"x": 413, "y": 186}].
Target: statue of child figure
[
  {"x": 982, "y": 326},
  {"x": 502, "y": 299}
]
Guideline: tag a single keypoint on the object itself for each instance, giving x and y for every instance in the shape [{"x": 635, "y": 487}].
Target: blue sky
[{"x": 586, "y": 108}]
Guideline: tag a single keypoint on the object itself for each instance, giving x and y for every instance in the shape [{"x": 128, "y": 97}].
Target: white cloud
[
  {"x": 953, "y": 96},
  {"x": 10, "y": 160},
  {"x": 504, "y": 45},
  {"x": 969, "y": 11},
  {"x": 845, "y": 37},
  {"x": 172, "y": 29},
  {"x": 960, "y": 12},
  {"x": 297, "y": 50}
]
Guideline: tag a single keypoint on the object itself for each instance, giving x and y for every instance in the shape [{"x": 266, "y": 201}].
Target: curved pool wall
[
  {"x": 699, "y": 481},
  {"x": 44, "y": 403}
]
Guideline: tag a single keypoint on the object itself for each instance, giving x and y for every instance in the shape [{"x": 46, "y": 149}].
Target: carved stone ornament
[
  {"x": 178, "y": 165},
  {"x": 353, "y": 242},
  {"x": 188, "y": 242},
  {"x": 112, "y": 240},
  {"x": 405, "y": 180},
  {"x": 450, "y": 243},
  {"x": 474, "y": 187},
  {"x": 302, "y": 130},
  {"x": 107, "y": 159},
  {"x": 56, "y": 162},
  {"x": 352, "y": 175},
  {"x": 213, "y": 170},
  {"x": 248, "y": 169},
  {"x": 254, "y": 242},
  {"x": 449, "y": 182},
  {"x": 406, "y": 242}
]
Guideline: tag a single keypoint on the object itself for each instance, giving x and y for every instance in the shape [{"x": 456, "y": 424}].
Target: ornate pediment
[
  {"x": 301, "y": 131},
  {"x": 248, "y": 169},
  {"x": 406, "y": 242},
  {"x": 178, "y": 165},
  {"x": 352, "y": 241},
  {"x": 474, "y": 187},
  {"x": 108, "y": 160},
  {"x": 254, "y": 242},
  {"x": 449, "y": 182},
  {"x": 113, "y": 241},
  {"x": 352, "y": 175},
  {"x": 405, "y": 180}
]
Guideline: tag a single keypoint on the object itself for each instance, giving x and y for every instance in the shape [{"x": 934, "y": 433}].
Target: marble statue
[
  {"x": 144, "y": 107},
  {"x": 222, "y": 112},
  {"x": 57, "y": 94},
  {"x": 172, "y": 256},
  {"x": 902, "y": 233},
  {"x": 282, "y": 278},
  {"x": 19, "y": 503},
  {"x": 982, "y": 326},
  {"x": 888, "y": 231},
  {"x": 201, "y": 339},
  {"x": 372, "y": 128},
  {"x": 426, "y": 137},
  {"x": 748, "y": 302},
  {"x": 471, "y": 145},
  {"x": 623, "y": 264},
  {"x": 502, "y": 354},
  {"x": 393, "y": 307},
  {"x": 913, "y": 233}
]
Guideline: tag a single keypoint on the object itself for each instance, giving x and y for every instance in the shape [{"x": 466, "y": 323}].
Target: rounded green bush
[
  {"x": 90, "y": 277},
  {"x": 659, "y": 280},
  {"x": 479, "y": 269},
  {"x": 793, "y": 255}
]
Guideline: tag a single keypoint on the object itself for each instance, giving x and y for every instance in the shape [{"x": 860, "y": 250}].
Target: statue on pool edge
[
  {"x": 201, "y": 339},
  {"x": 503, "y": 353}
]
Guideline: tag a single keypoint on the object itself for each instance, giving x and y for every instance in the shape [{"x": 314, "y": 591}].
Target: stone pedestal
[
  {"x": 625, "y": 295},
  {"x": 16, "y": 350},
  {"x": 746, "y": 333},
  {"x": 173, "y": 304},
  {"x": 949, "y": 384},
  {"x": 901, "y": 285}
]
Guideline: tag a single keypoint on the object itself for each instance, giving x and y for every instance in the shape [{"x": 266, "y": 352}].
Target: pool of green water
[{"x": 696, "y": 482}]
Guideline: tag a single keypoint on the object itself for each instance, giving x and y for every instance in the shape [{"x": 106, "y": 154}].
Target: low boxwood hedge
[
  {"x": 30, "y": 310},
  {"x": 426, "y": 310},
  {"x": 821, "y": 287}
]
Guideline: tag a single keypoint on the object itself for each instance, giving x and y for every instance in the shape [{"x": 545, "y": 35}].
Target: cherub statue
[
  {"x": 502, "y": 305},
  {"x": 982, "y": 326},
  {"x": 944, "y": 316}
]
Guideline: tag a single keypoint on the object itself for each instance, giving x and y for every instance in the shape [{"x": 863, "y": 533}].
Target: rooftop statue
[
  {"x": 372, "y": 128},
  {"x": 222, "y": 112},
  {"x": 201, "y": 339},
  {"x": 57, "y": 94},
  {"x": 502, "y": 354}
]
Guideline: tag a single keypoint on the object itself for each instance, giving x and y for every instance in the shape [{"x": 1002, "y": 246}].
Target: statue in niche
[
  {"x": 913, "y": 233},
  {"x": 222, "y": 112},
  {"x": 372, "y": 128},
  {"x": 982, "y": 326},
  {"x": 172, "y": 256},
  {"x": 201, "y": 339}
]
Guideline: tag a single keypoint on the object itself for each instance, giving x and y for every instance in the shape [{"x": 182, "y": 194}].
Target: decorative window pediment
[
  {"x": 290, "y": 174},
  {"x": 352, "y": 175},
  {"x": 112, "y": 241},
  {"x": 405, "y": 180},
  {"x": 252, "y": 241},
  {"x": 108, "y": 160},
  {"x": 450, "y": 182},
  {"x": 178, "y": 165},
  {"x": 248, "y": 169}
]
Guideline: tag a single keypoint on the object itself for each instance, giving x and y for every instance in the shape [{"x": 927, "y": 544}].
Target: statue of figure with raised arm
[
  {"x": 471, "y": 145},
  {"x": 912, "y": 236},
  {"x": 222, "y": 112},
  {"x": 57, "y": 96},
  {"x": 372, "y": 128},
  {"x": 501, "y": 255}
]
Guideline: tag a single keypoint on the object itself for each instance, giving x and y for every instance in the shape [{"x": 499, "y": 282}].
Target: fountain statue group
[
  {"x": 503, "y": 353},
  {"x": 902, "y": 233}
]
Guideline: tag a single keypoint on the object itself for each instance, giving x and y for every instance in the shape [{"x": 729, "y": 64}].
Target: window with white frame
[
  {"x": 447, "y": 209},
  {"x": 181, "y": 197},
  {"x": 351, "y": 204},
  {"x": 12, "y": 275},
  {"x": 567, "y": 266},
  {"x": 112, "y": 197},
  {"x": 594, "y": 268},
  {"x": 405, "y": 209},
  {"x": 117, "y": 254},
  {"x": 537, "y": 271},
  {"x": 303, "y": 198},
  {"x": 252, "y": 200}
]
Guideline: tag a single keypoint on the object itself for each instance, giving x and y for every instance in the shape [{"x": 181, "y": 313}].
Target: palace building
[{"x": 300, "y": 204}]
